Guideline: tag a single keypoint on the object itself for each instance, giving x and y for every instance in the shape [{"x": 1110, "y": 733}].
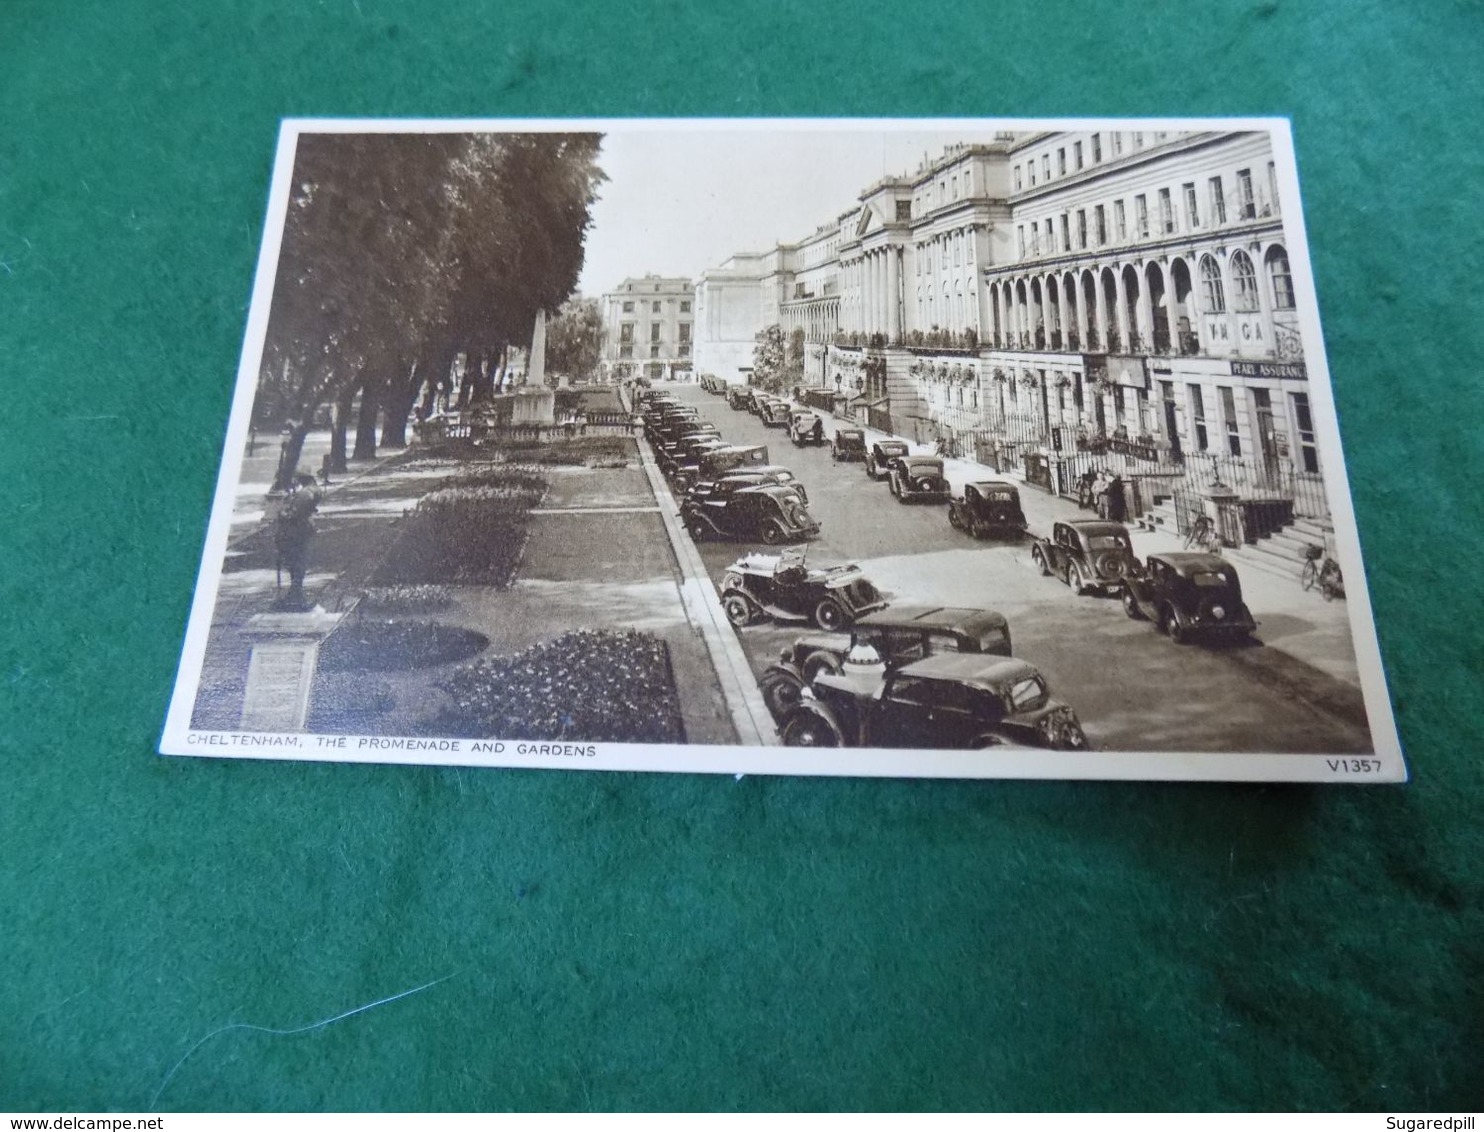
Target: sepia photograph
[{"x": 949, "y": 448}]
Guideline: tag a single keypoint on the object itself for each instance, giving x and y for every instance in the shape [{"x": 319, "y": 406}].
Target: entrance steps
[{"x": 1280, "y": 553}]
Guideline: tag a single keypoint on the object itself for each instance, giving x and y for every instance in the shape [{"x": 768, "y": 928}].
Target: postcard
[{"x": 923, "y": 448}]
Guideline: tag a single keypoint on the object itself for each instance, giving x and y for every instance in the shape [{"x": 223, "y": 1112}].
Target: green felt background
[{"x": 696, "y": 942}]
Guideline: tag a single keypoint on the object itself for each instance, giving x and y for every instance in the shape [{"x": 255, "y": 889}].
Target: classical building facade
[
  {"x": 1051, "y": 301},
  {"x": 649, "y": 328}
]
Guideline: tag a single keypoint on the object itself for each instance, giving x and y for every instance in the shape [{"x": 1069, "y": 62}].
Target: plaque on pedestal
[{"x": 281, "y": 668}]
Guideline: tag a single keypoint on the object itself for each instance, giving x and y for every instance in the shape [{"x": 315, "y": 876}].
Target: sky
[{"x": 681, "y": 199}]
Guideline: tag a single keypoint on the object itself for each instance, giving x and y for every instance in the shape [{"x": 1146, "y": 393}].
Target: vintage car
[
  {"x": 713, "y": 384},
  {"x": 734, "y": 457},
  {"x": 672, "y": 429},
  {"x": 775, "y": 474},
  {"x": 739, "y": 397},
  {"x": 785, "y": 588},
  {"x": 686, "y": 456},
  {"x": 988, "y": 507},
  {"x": 848, "y": 444},
  {"x": 668, "y": 418},
  {"x": 915, "y": 478},
  {"x": 776, "y": 412},
  {"x": 771, "y": 514},
  {"x": 1189, "y": 595},
  {"x": 881, "y": 454},
  {"x": 733, "y": 482},
  {"x": 667, "y": 452},
  {"x": 805, "y": 427},
  {"x": 948, "y": 701},
  {"x": 1088, "y": 554},
  {"x": 900, "y": 634}
]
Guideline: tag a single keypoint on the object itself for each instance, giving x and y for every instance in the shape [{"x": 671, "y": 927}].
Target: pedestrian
[
  {"x": 1086, "y": 490},
  {"x": 292, "y": 529},
  {"x": 1117, "y": 505}
]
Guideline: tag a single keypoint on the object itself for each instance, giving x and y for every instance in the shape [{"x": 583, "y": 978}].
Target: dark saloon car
[
  {"x": 805, "y": 427},
  {"x": 918, "y": 479},
  {"x": 785, "y": 588},
  {"x": 739, "y": 397},
  {"x": 988, "y": 507},
  {"x": 771, "y": 515},
  {"x": 880, "y": 455},
  {"x": 1189, "y": 595},
  {"x": 733, "y": 482},
  {"x": 774, "y": 474},
  {"x": 900, "y": 635},
  {"x": 1087, "y": 554},
  {"x": 848, "y": 444},
  {"x": 776, "y": 412},
  {"x": 949, "y": 701}
]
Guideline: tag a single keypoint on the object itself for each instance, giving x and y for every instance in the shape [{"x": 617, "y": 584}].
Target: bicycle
[
  {"x": 1203, "y": 535},
  {"x": 1326, "y": 575}
]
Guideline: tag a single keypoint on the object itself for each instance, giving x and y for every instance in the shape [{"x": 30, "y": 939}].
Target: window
[
  {"x": 684, "y": 333},
  {"x": 656, "y": 307},
  {"x": 1280, "y": 279},
  {"x": 904, "y": 210},
  {"x": 1082, "y": 227},
  {"x": 628, "y": 308},
  {"x": 1097, "y": 148},
  {"x": 1061, "y": 162},
  {"x": 1020, "y": 236},
  {"x": 1166, "y": 212},
  {"x": 626, "y": 350},
  {"x": 1246, "y": 206},
  {"x": 654, "y": 332},
  {"x": 958, "y": 247},
  {"x": 1272, "y": 190},
  {"x": 1229, "y": 414},
  {"x": 1117, "y": 144},
  {"x": 1303, "y": 422},
  {"x": 654, "y": 351},
  {"x": 1120, "y": 222},
  {"x": 1046, "y": 167},
  {"x": 1198, "y": 418},
  {"x": 1050, "y": 240},
  {"x": 1066, "y": 239},
  {"x": 1100, "y": 224},
  {"x": 1138, "y": 139},
  {"x": 685, "y": 349},
  {"x": 626, "y": 332},
  {"x": 1017, "y": 178},
  {"x": 1192, "y": 216},
  {"x": 1244, "y": 285},
  {"x": 1077, "y": 155},
  {"x": 1030, "y": 171},
  {"x": 1218, "y": 201},
  {"x": 1035, "y": 239},
  {"x": 955, "y": 189},
  {"x": 685, "y": 306},
  {"x": 1141, "y": 217},
  {"x": 1212, "y": 289}
]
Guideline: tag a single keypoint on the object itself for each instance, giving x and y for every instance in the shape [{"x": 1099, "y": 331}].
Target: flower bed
[
  {"x": 591, "y": 685},
  {"x": 377, "y": 645},
  {"x": 470, "y": 530}
]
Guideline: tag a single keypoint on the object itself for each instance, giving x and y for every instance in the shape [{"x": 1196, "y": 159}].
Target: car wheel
[
  {"x": 1074, "y": 577},
  {"x": 817, "y": 664},
  {"x": 696, "y": 528},
  {"x": 1175, "y": 627},
  {"x": 977, "y": 529},
  {"x": 828, "y": 615},
  {"x": 811, "y": 729},
  {"x": 955, "y": 520},
  {"x": 738, "y": 609},
  {"x": 781, "y": 692},
  {"x": 987, "y": 740},
  {"x": 773, "y": 532},
  {"x": 1038, "y": 556},
  {"x": 1131, "y": 606}
]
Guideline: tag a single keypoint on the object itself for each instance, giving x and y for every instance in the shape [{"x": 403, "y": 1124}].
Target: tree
[
  {"x": 794, "y": 367},
  {"x": 574, "y": 339},
  {"x": 769, "y": 359}
]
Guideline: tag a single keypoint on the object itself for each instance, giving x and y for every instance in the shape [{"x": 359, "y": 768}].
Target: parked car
[
  {"x": 915, "y": 478},
  {"x": 949, "y": 701},
  {"x": 900, "y": 634},
  {"x": 988, "y": 507},
  {"x": 805, "y": 427},
  {"x": 686, "y": 457},
  {"x": 785, "y": 588},
  {"x": 881, "y": 454},
  {"x": 738, "y": 396},
  {"x": 776, "y": 412},
  {"x": 732, "y": 458},
  {"x": 775, "y": 474},
  {"x": 848, "y": 444},
  {"x": 1189, "y": 595},
  {"x": 771, "y": 514},
  {"x": 733, "y": 482},
  {"x": 1087, "y": 554}
]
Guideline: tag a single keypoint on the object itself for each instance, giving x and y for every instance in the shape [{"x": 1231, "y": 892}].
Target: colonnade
[{"x": 877, "y": 276}]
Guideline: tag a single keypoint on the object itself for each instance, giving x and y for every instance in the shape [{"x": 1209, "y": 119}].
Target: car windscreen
[
  {"x": 1107, "y": 542},
  {"x": 1209, "y": 578},
  {"x": 993, "y": 639}
]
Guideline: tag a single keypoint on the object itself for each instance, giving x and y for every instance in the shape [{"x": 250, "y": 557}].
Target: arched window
[
  {"x": 1211, "y": 287},
  {"x": 1244, "y": 284},
  {"x": 1280, "y": 279}
]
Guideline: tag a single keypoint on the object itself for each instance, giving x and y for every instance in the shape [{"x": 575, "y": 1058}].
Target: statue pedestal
[{"x": 280, "y": 671}]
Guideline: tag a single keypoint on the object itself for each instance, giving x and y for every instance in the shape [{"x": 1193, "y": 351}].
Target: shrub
[
  {"x": 405, "y": 599},
  {"x": 591, "y": 685},
  {"x": 470, "y": 529}
]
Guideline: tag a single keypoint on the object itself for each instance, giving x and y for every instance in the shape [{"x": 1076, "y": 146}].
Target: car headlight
[{"x": 1218, "y": 612}]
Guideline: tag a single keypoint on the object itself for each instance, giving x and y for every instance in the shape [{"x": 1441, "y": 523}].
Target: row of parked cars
[{"x": 877, "y": 674}]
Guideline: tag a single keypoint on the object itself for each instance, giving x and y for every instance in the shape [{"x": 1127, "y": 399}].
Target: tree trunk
[
  {"x": 372, "y": 391},
  {"x": 289, "y": 452},
  {"x": 340, "y": 426},
  {"x": 479, "y": 374},
  {"x": 400, "y": 396},
  {"x": 502, "y": 369}
]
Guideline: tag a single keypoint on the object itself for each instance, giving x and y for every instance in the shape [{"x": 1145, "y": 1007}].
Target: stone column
[
  {"x": 868, "y": 295},
  {"x": 1120, "y": 315},
  {"x": 893, "y": 293},
  {"x": 1172, "y": 316}
]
